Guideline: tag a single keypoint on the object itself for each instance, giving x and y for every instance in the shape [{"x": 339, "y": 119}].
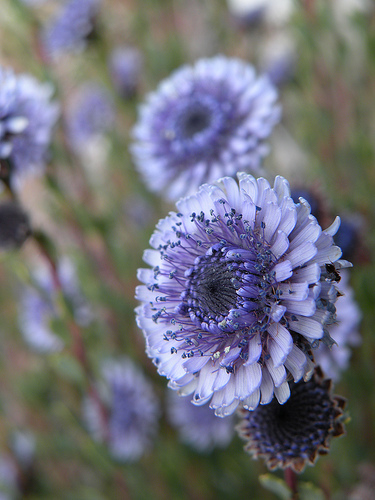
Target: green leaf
[
  {"x": 307, "y": 491},
  {"x": 276, "y": 485},
  {"x": 68, "y": 368}
]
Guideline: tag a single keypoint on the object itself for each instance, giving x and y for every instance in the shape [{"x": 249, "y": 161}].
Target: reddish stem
[{"x": 291, "y": 480}]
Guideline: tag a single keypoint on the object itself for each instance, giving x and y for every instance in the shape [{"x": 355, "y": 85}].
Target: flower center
[
  {"x": 227, "y": 289},
  {"x": 210, "y": 291},
  {"x": 194, "y": 120}
]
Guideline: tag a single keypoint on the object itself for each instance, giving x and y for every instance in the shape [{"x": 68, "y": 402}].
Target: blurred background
[{"x": 92, "y": 217}]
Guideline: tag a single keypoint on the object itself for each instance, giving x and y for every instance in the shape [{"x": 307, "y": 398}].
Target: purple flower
[
  {"x": 296, "y": 433},
  {"x": 131, "y": 407},
  {"x": 9, "y": 488},
  {"x": 89, "y": 115},
  {"x": 125, "y": 65},
  {"x": 204, "y": 121},
  {"x": 38, "y": 307},
  {"x": 237, "y": 293},
  {"x": 198, "y": 426},
  {"x": 69, "y": 30},
  {"x": 27, "y": 116},
  {"x": 344, "y": 332}
]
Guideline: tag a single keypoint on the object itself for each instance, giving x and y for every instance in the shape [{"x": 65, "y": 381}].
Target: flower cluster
[
  {"x": 69, "y": 30},
  {"x": 27, "y": 116},
  {"x": 240, "y": 288},
  {"x": 203, "y": 122},
  {"x": 128, "y": 423},
  {"x": 294, "y": 434}
]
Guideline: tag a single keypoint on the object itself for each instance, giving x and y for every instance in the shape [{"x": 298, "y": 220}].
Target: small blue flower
[
  {"x": 204, "y": 121},
  {"x": 344, "y": 332},
  {"x": 198, "y": 426},
  {"x": 27, "y": 116},
  {"x": 125, "y": 66},
  {"x": 69, "y": 30},
  {"x": 38, "y": 307},
  {"x": 296, "y": 433},
  {"x": 128, "y": 423},
  {"x": 89, "y": 115},
  {"x": 238, "y": 292}
]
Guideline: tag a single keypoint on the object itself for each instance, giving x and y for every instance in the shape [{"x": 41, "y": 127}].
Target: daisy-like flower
[
  {"x": 344, "y": 333},
  {"x": 38, "y": 307},
  {"x": 203, "y": 122},
  {"x": 128, "y": 423},
  {"x": 27, "y": 116},
  {"x": 237, "y": 293},
  {"x": 198, "y": 426},
  {"x": 69, "y": 30},
  {"x": 296, "y": 433}
]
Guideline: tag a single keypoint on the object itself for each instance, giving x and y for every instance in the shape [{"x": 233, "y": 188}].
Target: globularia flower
[
  {"x": 69, "y": 30},
  {"x": 197, "y": 425},
  {"x": 204, "y": 121},
  {"x": 237, "y": 292},
  {"x": 344, "y": 333},
  {"x": 38, "y": 307},
  {"x": 294, "y": 434},
  {"x": 128, "y": 423},
  {"x": 27, "y": 116},
  {"x": 125, "y": 67},
  {"x": 89, "y": 115}
]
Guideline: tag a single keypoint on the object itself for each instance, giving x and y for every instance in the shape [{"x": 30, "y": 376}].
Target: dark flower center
[
  {"x": 302, "y": 422},
  {"x": 210, "y": 293},
  {"x": 195, "y": 120}
]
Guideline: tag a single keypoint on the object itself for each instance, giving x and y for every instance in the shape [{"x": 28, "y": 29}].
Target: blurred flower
[
  {"x": 38, "y": 307},
  {"x": 344, "y": 332},
  {"x": 197, "y": 425},
  {"x": 204, "y": 121},
  {"x": 278, "y": 57},
  {"x": 8, "y": 478},
  {"x": 248, "y": 12},
  {"x": 294, "y": 434},
  {"x": 237, "y": 293},
  {"x": 89, "y": 115},
  {"x": 128, "y": 421},
  {"x": 125, "y": 66},
  {"x": 14, "y": 225},
  {"x": 23, "y": 446},
  {"x": 69, "y": 30},
  {"x": 27, "y": 116}
]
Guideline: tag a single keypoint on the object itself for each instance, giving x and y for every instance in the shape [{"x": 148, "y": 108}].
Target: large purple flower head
[
  {"x": 27, "y": 116},
  {"x": 344, "y": 332},
  {"x": 131, "y": 411},
  {"x": 237, "y": 293},
  {"x": 198, "y": 426},
  {"x": 69, "y": 30},
  {"x": 204, "y": 121}
]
